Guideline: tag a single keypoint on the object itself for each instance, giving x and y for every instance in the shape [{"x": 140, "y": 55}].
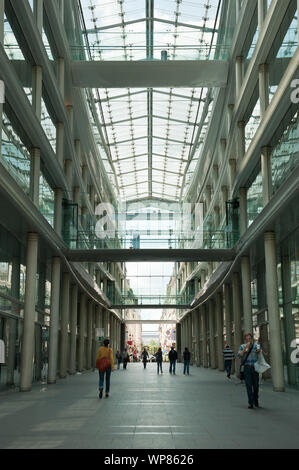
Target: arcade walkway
[{"x": 144, "y": 410}]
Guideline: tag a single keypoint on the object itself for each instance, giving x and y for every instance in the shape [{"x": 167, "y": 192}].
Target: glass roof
[{"x": 153, "y": 136}]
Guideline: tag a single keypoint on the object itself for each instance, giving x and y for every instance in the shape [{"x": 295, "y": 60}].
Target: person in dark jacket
[
  {"x": 187, "y": 356},
  {"x": 126, "y": 358},
  {"x": 118, "y": 358},
  {"x": 172, "y": 355},
  {"x": 159, "y": 359},
  {"x": 145, "y": 357}
]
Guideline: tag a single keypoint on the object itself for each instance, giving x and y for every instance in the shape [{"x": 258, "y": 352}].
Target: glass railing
[
  {"x": 141, "y": 300},
  {"x": 88, "y": 240}
]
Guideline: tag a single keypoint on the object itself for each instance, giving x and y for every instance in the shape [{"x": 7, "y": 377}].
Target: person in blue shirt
[{"x": 250, "y": 375}]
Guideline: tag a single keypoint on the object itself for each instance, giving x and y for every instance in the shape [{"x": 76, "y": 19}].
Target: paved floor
[{"x": 203, "y": 411}]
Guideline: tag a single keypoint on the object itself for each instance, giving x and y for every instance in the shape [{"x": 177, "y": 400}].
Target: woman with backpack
[{"x": 105, "y": 364}]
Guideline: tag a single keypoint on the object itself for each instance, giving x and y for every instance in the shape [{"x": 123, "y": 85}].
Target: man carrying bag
[{"x": 249, "y": 354}]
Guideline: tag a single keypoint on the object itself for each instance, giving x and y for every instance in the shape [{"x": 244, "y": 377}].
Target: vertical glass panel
[
  {"x": 16, "y": 157},
  {"x": 255, "y": 199},
  {"x": 46, "y": 200},
  {"x": 252, "y": 125},
  {"x": 48, "y": 125}
]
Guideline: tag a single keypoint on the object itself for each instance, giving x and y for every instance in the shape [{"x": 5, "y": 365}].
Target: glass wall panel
[
  {"x": 255, "y": 199},
  {"x": 48, "y": 125},
  {"x": 46, "y": 200},
  {"x": 252, "y": 124}
]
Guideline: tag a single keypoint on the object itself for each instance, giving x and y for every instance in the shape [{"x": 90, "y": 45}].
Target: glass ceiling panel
[{"x": 158, "y": 124}]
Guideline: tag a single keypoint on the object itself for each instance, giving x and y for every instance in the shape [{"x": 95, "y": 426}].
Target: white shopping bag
[{"x": 261, "y": 365}]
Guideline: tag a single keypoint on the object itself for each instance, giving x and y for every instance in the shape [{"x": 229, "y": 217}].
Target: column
[
  {"x": 208, "y": 195},
  {"x": 60, "y": 75},
  {"x": 54, "y": 320},
  {"x": 212, "y": 334},
  {"x": 224, "y": 198},
  {"x": 89, "y": 333},
  {"x": 289, "y": 323},
  {"x": 179, "y": 340},
  {"x": 70, "y": 113},
  {"x": 203, "y": 277},
  {"x": 84, "y": 176},
  {"x": 243, "y": 211},
  {"x": 27, "y": 349},
  {"x": 219, "y": 325},
  {"x": 15, "y": 293},
  {"x": 204, "y": 335},
  {"x": 77, "y": 199},
  {"x": 68, "y": 170},
  {"x": 82, "y": 324},
  {"x": 37, "y": 84},
  {"x": 266, "y": 164},
  {"x": 73, "y": 328},
  {"x": 241, "y": 147},
  {"x": 38, "y": 14},
  {"x": 273, "y": 312},
  {"x": 217, "y": 217},
  {"x": 58, "y": 210},
  {"x": 230, "y": 111},
  {"x": 232, "y": 172},
  {"x": 34, "y": 175},
  {"x": 61, "y": 10},
  {"x": 238, "y": 10},
  {"x": 228, "y": 314},
  {"x": 60, "y": 142},
  {"x": 239, "y": 75},
  {"x": 196, "y": 314},
  {"x": 264, "y": 88},
  {"x": 246, "y": 294},
  {"x": 262, "y": 11},
  {"x": 237, "y": 308},
  {"x": 65, "y": 307}
]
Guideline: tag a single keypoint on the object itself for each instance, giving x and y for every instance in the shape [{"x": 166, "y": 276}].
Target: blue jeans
[
  {"x": 172, "y": 366},
  {"x": 228, "y": 366},
  {"x": 159, "y": 365},
  {"x": 252, "y": 384},
  {"x": 186, "y": 367},
  {"x": 101, "y": 377}
]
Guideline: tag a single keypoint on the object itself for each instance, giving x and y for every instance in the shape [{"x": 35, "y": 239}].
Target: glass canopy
[{"x": 152, "y": 137}]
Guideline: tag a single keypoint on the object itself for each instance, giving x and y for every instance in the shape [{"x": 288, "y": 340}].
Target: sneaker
[
  {"x": 107, "y": 395},
  {"x": 101, "y": 393}
]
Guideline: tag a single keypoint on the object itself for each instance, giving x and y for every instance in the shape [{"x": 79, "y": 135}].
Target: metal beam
[
  {"x": 150, "y": 73},
  {"x": 151, "y": 322}
]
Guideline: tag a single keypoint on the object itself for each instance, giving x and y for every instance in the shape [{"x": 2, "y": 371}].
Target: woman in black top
[
  {"x": 187, "y": 356},
  {"x": 159, "y": 360}
]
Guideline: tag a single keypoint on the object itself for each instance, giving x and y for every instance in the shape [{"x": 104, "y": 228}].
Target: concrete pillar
[
  {"x": 89, "y": 333},
  {"x": 77, "y": 199},
  {"x": 34, "y": 175},
  {"x": 60, "y": 142},
  {"x": 61, "y": 10},
  {"x": 106, "y": 324},
  {"x": 92, "y": 197},
  {"x": 68, "y": 170},
  {"x": 60, "y": 75},
  {"x": 241, "y": 148},
  {"x": 243, "y": 211},
  {"x": 70, "y": 113},
  {"x": 179, "y": 340},
  {"x": 27, "y": 349},
  {"x": 239, "y": 75},
  {"x": 246, "y": 294},
  {"x": 289, "y": 319},
  {"x": 37, "y": 83},
  {"x": 73, "y": 328},
  {"x": 266, "y": 164},
  {"x": 204, "y": 335},
  {"x": 230, "y": 112},
  {"x": 195, "y": 315},
  {"x": 84, "y": 176},
  {"x": 264, "y": 88},
  {"x": 203, "y": 277},
  {"x": 65, "y": 308},
  {"x": 208, "y": 195},
  {"x": 273, "y": 312},
  {"x": 224, "y": 199},
  {"x": 58, "y": 210},
  {"x": 38, "y": 14},
  {"x": 237, "y": 308},
  {"x": 228, "y": 314},
  {"x": 219, "y": 325},
  {"x": 15, "y": 293},
  {"x": 54, "y": 320},
  {"x": 262, "y": 12},
  {"x": 238, "y": 10},
  {"x": 82, "y": 324},
  {"x": 232, "y": 172},
  {"x": 212, "y": 334}
]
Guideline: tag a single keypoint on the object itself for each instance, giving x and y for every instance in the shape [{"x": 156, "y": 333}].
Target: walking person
[
  {"x": 228, "y": 355},
  {"x": 126, "y": 358},
  {"x": 105, "y": 364},
  {"x": 118, "y": 358},
  {"x": 172, "y": 356},
  {"x": 249, "y": 353},
  {"x": 145, "y": 357},
  {"x": 159, "y": 359},
  {"x": 187, "y": 357}
]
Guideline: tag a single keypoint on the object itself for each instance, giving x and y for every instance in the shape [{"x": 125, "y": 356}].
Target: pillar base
[
  {"x": 278, "y": 389},
  {"x": 25, "y": 389},
  {"x": 51, "y": 382},
  {"x": 63, "y": 376}
]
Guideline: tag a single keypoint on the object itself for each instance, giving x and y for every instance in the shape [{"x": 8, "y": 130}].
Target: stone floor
[{"x": 146, "y": 411}]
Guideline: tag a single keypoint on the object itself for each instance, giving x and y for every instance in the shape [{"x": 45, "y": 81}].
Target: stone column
[
  {"x": 246, "y": 294},
  {"x": 195, "y": 315},
  {"x": 73, "y": 328},
  {"x": 34, "y": 175},
  {"x": 219, "y": 323},
  {"x": 65, "y": 308},
  {"x": 82, "y": 324},
  {"x": 262, "y": 11},
  {"x": 60, "y": 142},
  {"x": 204, "y": 335},
  {"x": 273, "y": 312},
  {"x": 179, "y": 340},
  {"x": 230, "y": 111},
  {"x": 15, "y": 293},
  {"x": 241, "y": 140},
  {"x": 232, "y": 172},
  {"x": 212, "y": 334},
  {"x": 68, "y": 170},
  {"x": 89, "y": 334},
  {"x": 60, "y": 75},
  {"x": 237, "y": 308},
  {"x": 264, "y": 88},
  {"x": 239, "y": 75},
  {"x": 37, "y": 83},
  {"x": 289, "y": 320},
  {"x": 70, "y": 114},
  {"x": 38, "y": 14},
  {"x": 54, "y": 320},
  {"x": 266, "y": 164},
  {"x": 61, "y": 10},
  {"x": 243, "y": 211},
  {"x": 58, "y": 211}
]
